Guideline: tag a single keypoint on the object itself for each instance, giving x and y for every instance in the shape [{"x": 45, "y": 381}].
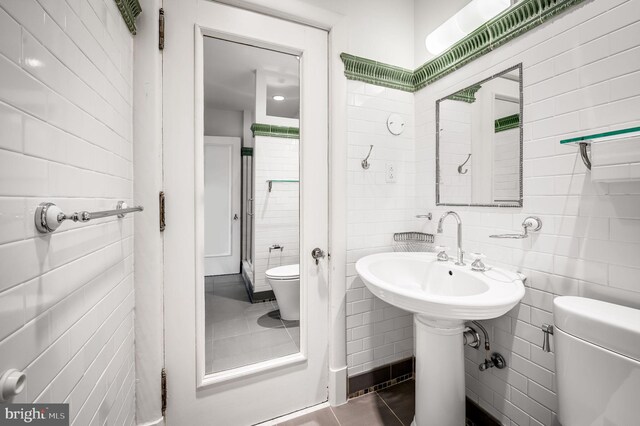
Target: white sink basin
[{"x": 418, "y": 283}]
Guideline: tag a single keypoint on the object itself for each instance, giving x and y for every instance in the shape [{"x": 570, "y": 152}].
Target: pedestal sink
[{"x": 442, "y": 296}]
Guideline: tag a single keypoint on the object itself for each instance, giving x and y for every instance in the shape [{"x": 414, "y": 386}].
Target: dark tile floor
[{"x": 393, "y": 406}]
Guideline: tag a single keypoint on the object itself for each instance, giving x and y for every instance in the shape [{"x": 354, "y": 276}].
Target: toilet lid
[{"x": 284, "y": 272}]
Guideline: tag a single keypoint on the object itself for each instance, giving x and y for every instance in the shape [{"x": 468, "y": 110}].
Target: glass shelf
[
  {"x": 583, "y": 141},
  {"x": 597, "y": 137},
  {"x": 271, "y": 181}
]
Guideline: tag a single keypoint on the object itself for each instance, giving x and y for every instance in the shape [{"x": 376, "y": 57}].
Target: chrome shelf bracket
[{"x": 585, "y": 155}]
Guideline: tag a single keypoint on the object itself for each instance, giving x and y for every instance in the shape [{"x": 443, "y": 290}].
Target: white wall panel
[{"x": 66, "y": 299}]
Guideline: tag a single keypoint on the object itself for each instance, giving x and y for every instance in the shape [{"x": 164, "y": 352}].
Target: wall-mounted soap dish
[
  {"x": 413, "y": 241},
  {"x": 530, "y": 224}
]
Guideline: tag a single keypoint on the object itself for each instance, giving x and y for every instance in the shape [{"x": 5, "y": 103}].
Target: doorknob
[
  {"x": 235, "y": 216},
  {"x": 317, "y": 254}
]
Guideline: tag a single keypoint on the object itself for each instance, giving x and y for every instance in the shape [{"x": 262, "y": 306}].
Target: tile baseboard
[
  {"x": 262, "y": 296},
  {"x": 477, "y": 416},
  {"x": 381, "y": 377}
]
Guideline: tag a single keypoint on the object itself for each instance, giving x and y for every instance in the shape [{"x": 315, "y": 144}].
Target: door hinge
[
  {"x": 161, "y": 209},
  {"x": 163, "y": 387},
  {"x": 161, "y": 30}
]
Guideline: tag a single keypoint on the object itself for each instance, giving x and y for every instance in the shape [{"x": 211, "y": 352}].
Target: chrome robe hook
[
  {"x": 462, "y": 165},
  {"x": 365, "y": 162}
]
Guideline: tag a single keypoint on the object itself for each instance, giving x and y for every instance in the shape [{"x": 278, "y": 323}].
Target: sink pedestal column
[{"x": 440, "y": 389}]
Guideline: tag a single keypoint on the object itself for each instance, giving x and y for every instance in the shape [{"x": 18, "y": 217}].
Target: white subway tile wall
[
  {"x": 276, "y": 213},
  {"x": 578, "y": 74},
  {"x": 455, "y": 148},
  {"x": 377, "y": 333},
  {"x": 506, "y": 154},
  {"x": 66, "y": 137}
]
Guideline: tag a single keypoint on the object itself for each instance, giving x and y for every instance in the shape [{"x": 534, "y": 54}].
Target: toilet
[
  {"x": 597, "y": 355},
  {"x": 285, "y": 282}
]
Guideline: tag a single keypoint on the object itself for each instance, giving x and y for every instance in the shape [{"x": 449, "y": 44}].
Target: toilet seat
[{"x": 286, "y": 272}]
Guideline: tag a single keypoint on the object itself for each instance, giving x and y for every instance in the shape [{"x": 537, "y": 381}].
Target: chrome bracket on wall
[
  {"x": 425, "y": 216},
  {"x": 584, "y": 154}
]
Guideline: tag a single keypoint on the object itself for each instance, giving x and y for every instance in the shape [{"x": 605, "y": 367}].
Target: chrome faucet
[{"x": 460, "y": 260}]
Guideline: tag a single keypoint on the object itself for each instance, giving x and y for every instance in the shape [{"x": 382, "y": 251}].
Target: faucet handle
[
  {"x": 477, "y": 264},
  {"x": 442, "y": 253}
]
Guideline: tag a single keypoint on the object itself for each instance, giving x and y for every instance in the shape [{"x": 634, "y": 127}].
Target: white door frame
[{"x": 228, "y": 262}]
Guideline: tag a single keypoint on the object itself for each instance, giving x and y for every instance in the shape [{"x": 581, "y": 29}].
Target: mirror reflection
[
  {"x": 479, "y": 143},
  {"x": 251, "y": 205}
]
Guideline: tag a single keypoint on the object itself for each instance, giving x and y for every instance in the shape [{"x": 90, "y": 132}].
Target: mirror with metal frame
[{"x": 479, "y": 143}]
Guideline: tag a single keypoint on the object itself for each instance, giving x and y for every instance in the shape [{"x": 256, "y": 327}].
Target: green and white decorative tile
[
  {"x": 269, "y": 130},
  {"x": 511, "y": 23},
  {"x": 507, "y": 123},
  {"x": 129, "y": 9}
]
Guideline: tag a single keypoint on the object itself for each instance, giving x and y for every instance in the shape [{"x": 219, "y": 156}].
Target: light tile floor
[{"x": 240, "y": 333}]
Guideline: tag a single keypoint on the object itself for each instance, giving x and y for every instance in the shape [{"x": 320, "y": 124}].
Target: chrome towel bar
[{"x": 49, "y": 217}]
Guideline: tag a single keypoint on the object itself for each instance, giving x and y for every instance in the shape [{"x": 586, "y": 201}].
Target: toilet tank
[{"x": 597, "y": 353}]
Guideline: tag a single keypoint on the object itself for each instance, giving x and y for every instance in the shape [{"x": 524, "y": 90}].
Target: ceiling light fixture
[
  {"x": 278, "y": 98},
  {"x": 467, "y": 20},
  {"x": 33, "y": 62}
]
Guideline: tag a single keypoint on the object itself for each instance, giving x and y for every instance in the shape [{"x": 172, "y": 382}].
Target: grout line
[
  {"x": 335, "y": 416},
  {"x": 387, "y": 405}
]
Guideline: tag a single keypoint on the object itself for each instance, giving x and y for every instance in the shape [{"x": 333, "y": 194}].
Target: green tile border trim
[
  {"x": 467, "y": 95},
  {"x": 511, "y": 23},
  {"x": 246, "y": 152},
  {"x": 507, "y": 123},
  {"x": 275, "y": 131},
  {"x": 129, "y": 9},
  {"x": 377, "y": 73}
]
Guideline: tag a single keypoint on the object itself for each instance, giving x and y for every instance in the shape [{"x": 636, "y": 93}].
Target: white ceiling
[{"x": 229, "y": 77}]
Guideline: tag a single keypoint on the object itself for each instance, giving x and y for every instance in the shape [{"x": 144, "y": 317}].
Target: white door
[
  {"x": 262, "y": 391},
  {"x": 221, "y": 205}
]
